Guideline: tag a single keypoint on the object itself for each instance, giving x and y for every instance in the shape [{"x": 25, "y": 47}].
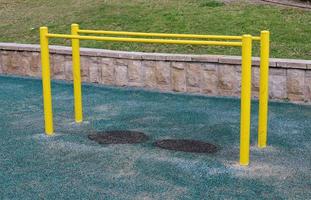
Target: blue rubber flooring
[{"x": 70, "y": 166}]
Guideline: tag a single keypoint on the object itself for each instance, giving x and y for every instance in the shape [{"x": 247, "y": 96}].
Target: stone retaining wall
[{"x": 205, "y": 74}]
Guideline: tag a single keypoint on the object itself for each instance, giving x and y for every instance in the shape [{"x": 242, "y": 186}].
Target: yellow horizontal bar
[
  {"x": 225, "y": 37},
  {"x": 162, "y": 35},
  {"x": 143, "y": 40}
]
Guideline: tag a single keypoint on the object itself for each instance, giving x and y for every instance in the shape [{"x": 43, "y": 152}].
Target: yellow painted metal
[
  {"x": 225, "y": 37},
  {"x": 46, "y": 82},
  {"x": 75, "y": 43},
  {"x": 245, "y": 99},
  {"x": 256, "y": 38},
  {"x": 245, "y": 43},
  {"x": 144, "y": 40},
  {"x": 264, "y": 89}
]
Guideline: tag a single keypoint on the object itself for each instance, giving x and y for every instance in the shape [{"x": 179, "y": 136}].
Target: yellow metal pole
[
  {"x": 76, "y": 74},
  {"x": 264, "y": 89},
  {"x": 245, "y": 99},
  {"x": 46, "y": 82}
]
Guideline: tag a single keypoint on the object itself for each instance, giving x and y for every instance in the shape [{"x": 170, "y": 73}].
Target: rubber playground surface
[{"x": 71, "y": 166}]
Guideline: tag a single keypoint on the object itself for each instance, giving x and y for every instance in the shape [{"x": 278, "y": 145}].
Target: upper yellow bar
[
  {"x": 144, "y": 40},
  {"x": 224, "y": 37}
]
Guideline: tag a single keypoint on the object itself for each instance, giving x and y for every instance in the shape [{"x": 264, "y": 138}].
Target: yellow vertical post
[
  {"x": 75, "y": 43},
  {"x": 245, "y": 99},
  {"x": 46, "y": 81},
  {"x": 264, "y": 89}
]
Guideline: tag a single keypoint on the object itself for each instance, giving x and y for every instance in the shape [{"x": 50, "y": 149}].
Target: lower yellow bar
[
  {"x": 46, "y": 82},
  {"x": 144, "y": 40},
  {"x": 245, "y": 99}
]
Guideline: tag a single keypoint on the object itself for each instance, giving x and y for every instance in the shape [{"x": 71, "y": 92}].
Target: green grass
[{"x": 290, "y": 28}]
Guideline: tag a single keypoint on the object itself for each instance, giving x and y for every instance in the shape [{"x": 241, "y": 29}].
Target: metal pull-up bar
[{"x": 245, "y": 43}]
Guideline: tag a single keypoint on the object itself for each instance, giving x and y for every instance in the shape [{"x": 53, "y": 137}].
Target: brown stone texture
[
  {"x": 308, "y": 87},
  {"x": 135, "y": 73},
  {"x": 209, "y": 79},
  {"x": 1, "y": 64},
  {"x": 277, "y": 84},
  {"x": 107, "y": 68},
  {"x": 229, "y": 80},
  {"x": 213, "y": 75},
  {"x": 17, "y": 63},
  {"x": 90, "y": 70},
  {"x": 35, "y": 65},
  {"x": 4, "y": 61},
  {"x": 150, "y": 80},
  {"x": 121, "y": 72},
  {"x": 86, "y": 63},
  {"x": 163, "y": 75},
  {"x": 193, "y": 74},
  {"x": 58, "y": 66},
  {"x": 178, "y": 77},
  {"x": 295, "y": 84},
  {"x": 255, "y": 81},
  {"x": 238, "y": 72},
  {"x": 68, "y": 67}
]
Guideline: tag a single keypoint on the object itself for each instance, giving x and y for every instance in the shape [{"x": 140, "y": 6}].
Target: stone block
[
  {"x": 193, "y": 89},
  {"x": 237, "y": 87},
  {"x": 255, "y": 79},
  {"x": 4, "y": 61},
  {"x": 135, "y": 73},
  {"x": 95, "y": 74},
  {"x": 308, "y": 88},
  {"x": 150, "y": 80},
  {"x": 1, "y": 64},
  {"x": 163, "y": 75},
  {"x": 107, "y": 69},
  {"x": 193, "y": 74},
  {"x": 58, "y": 66},
  {"x": 229, "y": 80},
  {"x": 295, "y": 84},
  {"x": 91, "y": 71},
  {"x": 178, "y": 65},
  {"x": 17, "y": 63},
  {"x": 277, "y": 87},
  {"x": 209, "y": 79},
  {"x": 86, "y": 64},
  {"x": 35, "y": 65},
  {"x": 178, "y": 77},
  {"x": 277, "y": 71},
  {"x": 121, "y": 74},
  {"x": 68, "y": 67}
]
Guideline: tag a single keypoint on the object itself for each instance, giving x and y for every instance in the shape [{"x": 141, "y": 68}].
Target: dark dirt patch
[
  {"x": 118, "y": 137},
  {"x": 192, "y": 146}
]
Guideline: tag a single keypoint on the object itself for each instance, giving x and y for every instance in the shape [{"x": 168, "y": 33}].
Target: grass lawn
[{"x": 290, "y": 28}]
